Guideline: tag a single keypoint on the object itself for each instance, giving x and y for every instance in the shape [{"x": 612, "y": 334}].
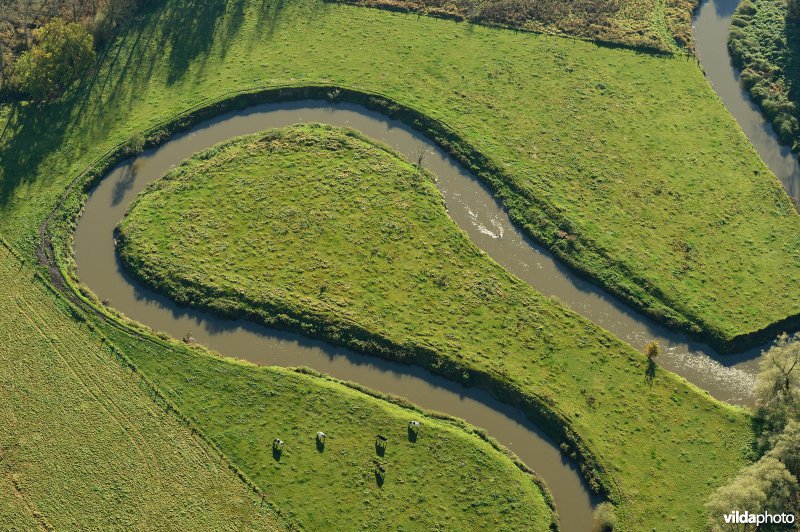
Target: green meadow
[
  {"x": 83, "y": 445},
  {"x": 624, "y": 164},
  {"x": 446, "y": 475},
  {"x": 319, "y": 230}
]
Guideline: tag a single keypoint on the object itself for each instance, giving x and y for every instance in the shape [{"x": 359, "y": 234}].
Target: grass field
[
  {"x": 83, "y": 445},
  {"x": 317, "y": 229},
  {"x": 767, "y": 50},
  {"x": 595, "y": 151},
  {"x": 611, "y": 147}
]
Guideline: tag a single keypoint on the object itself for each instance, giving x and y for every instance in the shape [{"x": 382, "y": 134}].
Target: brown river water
[{"x": 474, "y": 209}]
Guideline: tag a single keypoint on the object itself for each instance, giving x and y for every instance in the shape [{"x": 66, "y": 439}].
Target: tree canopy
[{"x": 61, "y": 52}]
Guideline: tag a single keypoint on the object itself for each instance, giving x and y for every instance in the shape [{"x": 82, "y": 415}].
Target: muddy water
[
  {"x": 99, "y": 269},
  {"x": 473, "y": 208},
  {"x": 711, "y": 33}
]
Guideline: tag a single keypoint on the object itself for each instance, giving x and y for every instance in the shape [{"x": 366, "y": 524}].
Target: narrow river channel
[
  {"x": 99, "y": 268},
  {"x": 474, "y": 209},
  {"x": 711, "y": 35}
]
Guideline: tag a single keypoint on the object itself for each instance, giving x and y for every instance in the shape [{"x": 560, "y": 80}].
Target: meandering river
[{"x": 474, "y": 209}]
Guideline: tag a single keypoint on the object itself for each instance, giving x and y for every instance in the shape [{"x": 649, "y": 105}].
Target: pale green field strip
[{"x": 83, "y": 444}]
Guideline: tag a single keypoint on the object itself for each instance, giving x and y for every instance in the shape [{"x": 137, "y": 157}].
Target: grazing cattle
[
  {"x": 277, "y": 443},
  {"x": 414, "y": 425},
  {"x": 382, "y": 438},
  {"x": 321, "y": 436}
]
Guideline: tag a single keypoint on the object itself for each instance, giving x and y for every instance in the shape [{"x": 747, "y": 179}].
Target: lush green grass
[
  {"x": 317, "y": 229},
  {"x": 632, "y": 156},
  {"x": 451, "y": 475},
  {"x": 610, "y": 149},
  {"x": 651, "y": 25},
  {"x": 83, "y": 445},
  {"x": 766, "y": 49}
]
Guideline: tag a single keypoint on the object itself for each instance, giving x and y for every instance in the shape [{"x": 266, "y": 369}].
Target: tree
[
  {"x": 787, "y": 448},
  {"x": 777, "y": 389},
  {"x": 765, "y": 486},
  {"x": 61, "y": 53},
  {"x": 652, "y": 349}
]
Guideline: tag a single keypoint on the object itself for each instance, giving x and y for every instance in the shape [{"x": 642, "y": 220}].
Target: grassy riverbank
[
  {"x": 602, "y": 149},
  {"x": 318, "y": 230},
  {"x": 448, "y": 475},
  {"x": 76, "y": 421},
  {"x": 648, "y": 25},
  {"x": 767, "y": 50}
]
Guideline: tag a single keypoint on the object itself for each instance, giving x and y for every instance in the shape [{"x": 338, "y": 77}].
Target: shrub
[
  {"x": 605, "y": 520},
  {"x": 765, "y": 486},
  {"x": 652, "y": 350},
  {"x": 135, "y": 144},
  {"x": 777, "y": 389},
  {"x": 787, "y": 448}
]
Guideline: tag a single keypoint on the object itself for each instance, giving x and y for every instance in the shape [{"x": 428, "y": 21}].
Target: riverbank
[
  {"x": 764, "y": 47},
  {"x": 522, "y": 368},
  {"x": 712, "y": 26},
  {"x": 141, "y": 99},
  {"x": 683, "y": 278}
]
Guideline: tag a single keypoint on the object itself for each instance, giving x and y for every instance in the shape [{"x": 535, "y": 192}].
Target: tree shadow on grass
[
  {"x": 124, "y": 69},
  {"x": 31, "y": 133},
  {"x": 650, "y": 372},
  {"x": 181, "y": 32}
]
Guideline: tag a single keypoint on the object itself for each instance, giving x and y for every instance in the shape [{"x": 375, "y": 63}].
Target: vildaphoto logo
[{"x": 745, "y": 518}]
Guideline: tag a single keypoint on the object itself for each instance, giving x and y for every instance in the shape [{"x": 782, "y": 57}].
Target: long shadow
[
  {"x": 380, "y": 448},
  {"x": 725, "y": 8},
  {"x": 32, "y": 132},
  {"x": 650, "y": 372},
  {"x": 185, "y": 29},
  {"x": 124, "y": 183}
]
